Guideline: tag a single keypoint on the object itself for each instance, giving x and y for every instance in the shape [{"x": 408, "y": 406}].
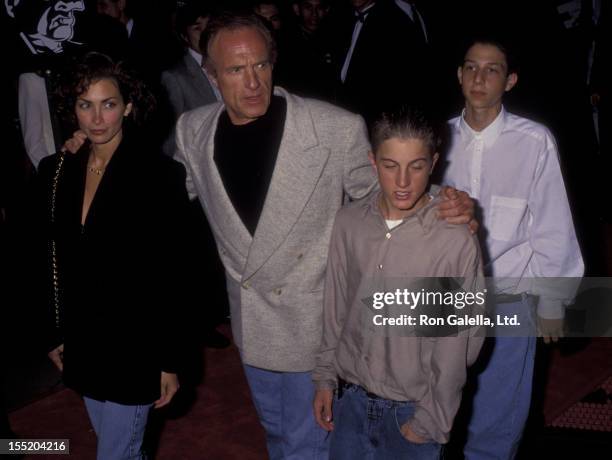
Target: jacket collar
[{"x": 299, "y": 164}]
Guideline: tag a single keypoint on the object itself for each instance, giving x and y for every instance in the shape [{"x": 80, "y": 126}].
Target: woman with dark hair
[{"x": 115, "y": 226}]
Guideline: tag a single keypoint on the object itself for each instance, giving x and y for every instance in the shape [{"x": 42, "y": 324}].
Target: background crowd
[{"x": 562, "y": 47}]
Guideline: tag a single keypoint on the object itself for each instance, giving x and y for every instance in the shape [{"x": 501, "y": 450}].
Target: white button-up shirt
[{"x": 512, "y": 169}]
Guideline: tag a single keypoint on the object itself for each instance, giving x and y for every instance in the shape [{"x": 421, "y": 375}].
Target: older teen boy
[{"x": 510, "y": 165}]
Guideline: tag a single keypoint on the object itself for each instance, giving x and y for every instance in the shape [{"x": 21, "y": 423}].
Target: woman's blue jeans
[{"x": 119, "y": 428}]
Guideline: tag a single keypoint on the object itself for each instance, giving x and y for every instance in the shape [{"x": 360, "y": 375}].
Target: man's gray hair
[{"x": 232, "y": 21}]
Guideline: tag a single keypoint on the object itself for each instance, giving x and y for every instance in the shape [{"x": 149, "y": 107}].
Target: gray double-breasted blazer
[{"x": 275, "y": 277}]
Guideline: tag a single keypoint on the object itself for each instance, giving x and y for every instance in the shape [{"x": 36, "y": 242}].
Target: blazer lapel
[
  {"x": 223, "y": 218},
  {"x": 112, "y": 187},
  {"x": 70, "y": 191},
  {"x": 298, "y": 167}
]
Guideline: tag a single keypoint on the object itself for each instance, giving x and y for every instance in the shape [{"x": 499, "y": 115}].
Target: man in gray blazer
[
  {"x": 271, "y": 170},
  {"x": 186, "y": 84}
]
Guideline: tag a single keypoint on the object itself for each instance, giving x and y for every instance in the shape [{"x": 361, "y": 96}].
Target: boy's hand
[
  {"x": 322, "y": 406},
  {"x": 411, "y": 435},
  {"x": 550, "y": 329},
  {"x": 457, "y": 208},
  {"x": 73, "y": 144}
]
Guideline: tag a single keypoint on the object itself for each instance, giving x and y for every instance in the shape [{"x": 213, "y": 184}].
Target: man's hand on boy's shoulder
[
  {"x": 411, "y": 435},
  {"x": 457, "y": 208},
  {"x": 322, "y": 406}
]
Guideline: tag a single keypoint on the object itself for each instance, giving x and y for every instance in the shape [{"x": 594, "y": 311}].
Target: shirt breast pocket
[{"x": 506, "y": 216}]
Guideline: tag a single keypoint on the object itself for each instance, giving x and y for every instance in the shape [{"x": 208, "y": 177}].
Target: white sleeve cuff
[{"x": 550, "y": 308}]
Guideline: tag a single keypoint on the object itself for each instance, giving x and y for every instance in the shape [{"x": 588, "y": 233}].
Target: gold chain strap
[{"x": 54, "y": 270}]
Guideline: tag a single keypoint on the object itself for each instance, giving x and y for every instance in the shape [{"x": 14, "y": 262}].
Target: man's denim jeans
[
  {"x": 369, "y": 429},
  {"x": 283, "y": 401},
  {"x": 119, "y": 428}
]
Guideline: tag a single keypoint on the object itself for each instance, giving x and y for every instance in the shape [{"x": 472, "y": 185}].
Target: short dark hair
[
  {"x": 276, "y": 3},
  {"x": 188, "y": 15},
  {"x": 128, "y": 7},
  {"x": 93, "y": 67},
  {"x": 231, "y": 20},
  {"x": 503, "y": 44},
  {"x": 405, "y": 122},
  {"x": 323, "y": 2}
]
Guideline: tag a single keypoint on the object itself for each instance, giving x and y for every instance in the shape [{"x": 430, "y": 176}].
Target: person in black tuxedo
[
  {"x": 151, "y": 45},
  {"x": 304, "y": 64},
  {"x": 381, "y": 55},
  {"x": 601, "y": 78}
]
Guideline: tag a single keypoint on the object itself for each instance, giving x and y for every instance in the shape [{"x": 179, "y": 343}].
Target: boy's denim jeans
[{"x": 369, "y": 429}]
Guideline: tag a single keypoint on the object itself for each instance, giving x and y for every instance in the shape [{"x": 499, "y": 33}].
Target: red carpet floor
[
  {"x": 572, "y": 377},
  {"x": 221, "y": 424}
]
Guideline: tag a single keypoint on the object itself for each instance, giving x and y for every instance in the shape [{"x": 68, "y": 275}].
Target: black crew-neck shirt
[{"x": 245, "y": 156}]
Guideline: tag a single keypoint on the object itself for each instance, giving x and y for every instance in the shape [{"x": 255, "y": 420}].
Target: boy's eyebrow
[
  {"x": 382, "y": 158},
  {"x": 492, "y": 63}
]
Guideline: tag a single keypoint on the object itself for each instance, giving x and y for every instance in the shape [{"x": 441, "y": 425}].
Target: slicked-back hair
[
  {"x": 405, "y": 122},
  {"x": 232, "y": 20}
]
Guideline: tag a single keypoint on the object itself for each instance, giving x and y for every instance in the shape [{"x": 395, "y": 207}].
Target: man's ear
[
  {"x": 460, "y": 74},
  {"x": 212, "y": 75},
  {"x": 128, "y": 110},
  {"x": 434, "y": 160},
  {"x": 511, "y": 81},
  {"x": 296, "y": 8},
  {"x": 372, "y": 160},
  {"x": 213, "y": 79}
]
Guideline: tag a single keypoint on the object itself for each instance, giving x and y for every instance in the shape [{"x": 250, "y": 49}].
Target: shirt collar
[
  {"x": 424, "y": 217},
  {"x": 490, "y": 134},
  {"x": 362, "y": 14},
  {"x": 406, "y": 7},
  {"x": 129, "y": 26},
  {"x": 195, "y": 55}
]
